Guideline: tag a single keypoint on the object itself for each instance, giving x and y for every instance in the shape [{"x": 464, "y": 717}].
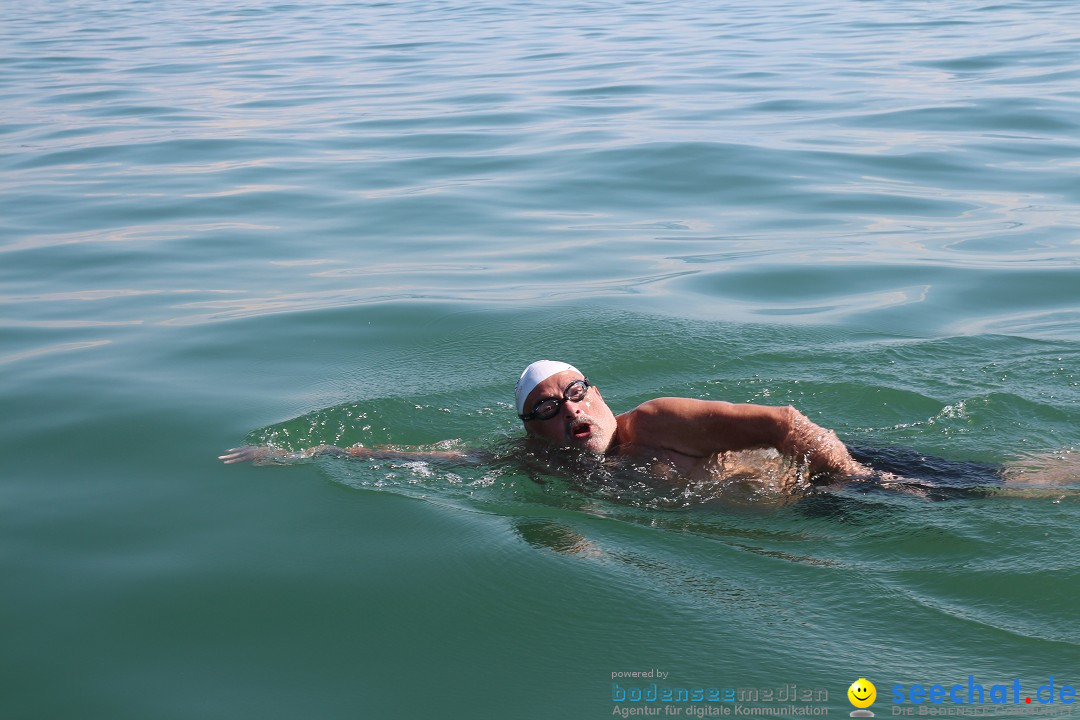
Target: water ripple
[{"x": 217, "y": 214}]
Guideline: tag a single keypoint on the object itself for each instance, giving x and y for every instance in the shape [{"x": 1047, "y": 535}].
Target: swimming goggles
[{"x": 549, "y": 407}]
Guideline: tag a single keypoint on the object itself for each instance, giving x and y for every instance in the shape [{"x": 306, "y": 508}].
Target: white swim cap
[{"x": 535, "y": 374}]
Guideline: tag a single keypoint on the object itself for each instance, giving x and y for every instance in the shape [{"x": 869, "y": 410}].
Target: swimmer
[{"x": 559, "y": 407}]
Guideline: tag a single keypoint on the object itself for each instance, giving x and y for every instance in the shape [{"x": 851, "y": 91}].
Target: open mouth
[{"x": 581, "y": 430}]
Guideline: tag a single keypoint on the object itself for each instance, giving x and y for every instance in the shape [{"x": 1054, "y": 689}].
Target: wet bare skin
[{"x": 684, "y": 435}]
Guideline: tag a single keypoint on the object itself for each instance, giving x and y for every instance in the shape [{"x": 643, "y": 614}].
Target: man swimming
[{"x": 561, "y": 408}]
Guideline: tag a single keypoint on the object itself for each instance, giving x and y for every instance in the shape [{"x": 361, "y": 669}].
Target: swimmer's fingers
[
  {"x": 888, "y": 478},
  {"x": 238, "y": 455},
  {"x": 252, "y": 453},
  {"x": 856, "y": 470}
]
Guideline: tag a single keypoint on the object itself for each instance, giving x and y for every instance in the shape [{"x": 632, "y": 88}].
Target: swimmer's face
[{"x": 588, "y": 423}]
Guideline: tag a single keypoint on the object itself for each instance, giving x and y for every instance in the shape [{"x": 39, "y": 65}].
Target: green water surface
[{"x": 342, "y": 222}]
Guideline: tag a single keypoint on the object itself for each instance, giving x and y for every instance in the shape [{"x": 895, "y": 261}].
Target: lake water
[{"x": 341, "y": 222}]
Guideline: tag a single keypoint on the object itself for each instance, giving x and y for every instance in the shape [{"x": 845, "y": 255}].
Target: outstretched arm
[
  {"x": 266, "y": 455},
  {"x": 704, "y": 427}
]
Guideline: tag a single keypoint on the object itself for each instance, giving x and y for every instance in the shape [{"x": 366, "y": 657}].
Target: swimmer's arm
[
  {"x": 266, "y": 455},
  {"x": 704, "y": 427}
]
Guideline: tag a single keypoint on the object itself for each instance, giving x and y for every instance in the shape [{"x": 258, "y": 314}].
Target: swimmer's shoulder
[
  {"x": 651, "y": 420},
  {"x": 646, "y": 430}
]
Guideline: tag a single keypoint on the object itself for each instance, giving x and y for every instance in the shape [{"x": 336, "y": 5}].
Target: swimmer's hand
[
  {"x": 819, "y": 448},
  {"x": 260, "y": 455},
  {"x": 267, "y": 455}
]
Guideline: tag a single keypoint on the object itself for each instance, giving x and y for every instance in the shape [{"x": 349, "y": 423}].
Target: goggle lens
[{"x": 549, "y": 407}]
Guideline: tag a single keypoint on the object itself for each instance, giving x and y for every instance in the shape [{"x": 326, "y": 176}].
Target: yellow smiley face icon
[{"x": 862, "y": 693}]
